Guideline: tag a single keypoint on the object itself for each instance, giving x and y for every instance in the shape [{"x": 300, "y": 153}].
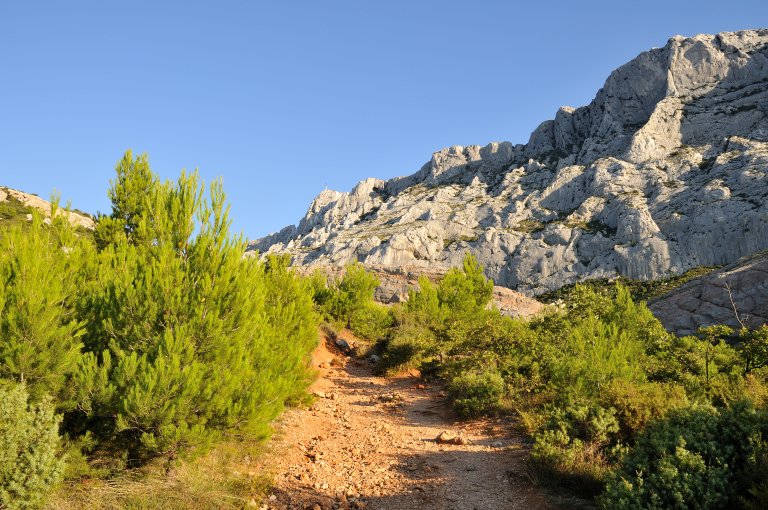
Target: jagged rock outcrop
[
  {"x": 663, "y": 171},
  {"x": 736, "y": 295}
]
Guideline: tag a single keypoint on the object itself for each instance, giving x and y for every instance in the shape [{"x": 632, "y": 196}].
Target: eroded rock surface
[
  {"x": 736, "y": 295},
  {"x": 663, "y": 171}
]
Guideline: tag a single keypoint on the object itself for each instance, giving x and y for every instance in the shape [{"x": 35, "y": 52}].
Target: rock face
[
  {"x": 77, "y": 220},
  {"x": 663, "y": 171},
  {"x": 717, "y": 298}
]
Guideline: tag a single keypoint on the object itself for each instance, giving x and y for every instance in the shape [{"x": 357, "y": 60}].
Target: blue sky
[{"x": 281, "y": 99}]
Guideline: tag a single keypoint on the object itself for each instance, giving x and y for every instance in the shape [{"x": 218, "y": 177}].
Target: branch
[{"x": 733, "y": 305}]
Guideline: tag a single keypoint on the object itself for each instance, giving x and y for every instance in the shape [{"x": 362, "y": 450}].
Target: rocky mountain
[
  {"x": 22, "y": 204},
  {"x": 663, "y": 171}
]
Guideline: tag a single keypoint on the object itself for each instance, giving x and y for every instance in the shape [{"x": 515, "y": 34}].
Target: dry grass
[{"x": 225, "y": 478}]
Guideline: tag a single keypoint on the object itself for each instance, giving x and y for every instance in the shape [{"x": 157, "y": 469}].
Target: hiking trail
[{"x": 370, "y": 442}]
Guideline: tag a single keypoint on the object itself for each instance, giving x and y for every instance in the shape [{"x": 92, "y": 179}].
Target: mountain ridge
[
  {"x": 663, "y": 171},
  {"x": 28, "y": 201}
]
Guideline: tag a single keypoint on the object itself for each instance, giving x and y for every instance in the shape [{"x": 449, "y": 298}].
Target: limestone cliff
[
  {"x": 663, "y": 171},
  {"x": 29, "y": 202}
]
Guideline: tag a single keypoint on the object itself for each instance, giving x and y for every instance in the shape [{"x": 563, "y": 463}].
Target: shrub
[
  {"x": 753, "y": 348},
  {"x": 696, "y": 458},
  {"x": 292, "y": 328},
  {"x": 353, "y": 293},
  {"x": 423, "y": 305},
  {"x": 600, "y": 395},
  {"x": 476, "y": 394},
  {"x": 443, "y": 317},
  {"x": 321, "y": 292},
  {"x": 577, "y": 445},
  {"x": 708, "y": 367},
  {"x": 466, "y": 289},
  {"x": 371, "y": 322},
  {"x": 29, "y": 440},
  {"x": 410, "y": 345},
  {"x": 596, "y": 353},
  {"x": 637, "y": 405}
]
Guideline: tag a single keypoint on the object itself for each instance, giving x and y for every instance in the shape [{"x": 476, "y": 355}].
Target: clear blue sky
[{"x": 283, "y": 98}]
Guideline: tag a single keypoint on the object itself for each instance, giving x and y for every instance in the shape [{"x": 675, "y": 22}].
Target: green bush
[
  {"x": 476, "y": 394},
  {"x": 185, "y": 338},
  {"x": 371, "y": 322},
  {"x": 410, "y": 345},
  {"x": 321, "y": 293},
  {"x": 466, "y": 289},
  {"x": 292, "y": 330},
  {"x": 637, "y": 405},
  {"x": 753, "y": 348},
  {"x": 582, "y": 439},
  {"x": 444, "y": 317},
  {"x": 352, "y": 293},
  {"x": 577, "y": 445},
  {"x": 597, "y": 353},
  {"x": 29, "y": 439},
  {"x": 423, "y": 305},
  {"x": 600, "y": 396},
  {"x": 696, "y": 458}
]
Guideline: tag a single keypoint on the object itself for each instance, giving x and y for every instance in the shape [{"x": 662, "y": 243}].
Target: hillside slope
[
  {"x": 663, "y": 171},
  {"x": 16, "y": 205}
]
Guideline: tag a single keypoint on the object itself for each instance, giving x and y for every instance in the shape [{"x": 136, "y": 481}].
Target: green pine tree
[
  {"x": 39, "y": 278},
  {"x": 186, "y": 338},
  {"x": 29, "y": 440},
  {"x": 466, "y": 289},
  {"x": 128, "y": 192}
]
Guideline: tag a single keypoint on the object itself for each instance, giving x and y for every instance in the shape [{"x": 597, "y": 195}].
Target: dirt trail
[{"x": 369, "y": 442}]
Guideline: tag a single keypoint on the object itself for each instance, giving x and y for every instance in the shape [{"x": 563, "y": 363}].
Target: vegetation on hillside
[
  {"x": 156, "y": 339},
  {"x": 641, "y": 290},
  {"x": 617, "y": 407},
  {"x": 13, "y": 212}
]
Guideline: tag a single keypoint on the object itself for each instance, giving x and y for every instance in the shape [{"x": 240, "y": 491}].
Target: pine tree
[
  {"x": 29, "y": 440},
  {"x": 353, "y": 293},
  {"x": 128, "y": 193},
  {"x": 39, "y": 337},
  {"x": 190, "y": 338},
  {"x": 466, "y": 289}
]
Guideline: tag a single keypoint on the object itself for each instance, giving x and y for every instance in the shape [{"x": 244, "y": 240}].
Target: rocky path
[{"x": 370, "y": 442}]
